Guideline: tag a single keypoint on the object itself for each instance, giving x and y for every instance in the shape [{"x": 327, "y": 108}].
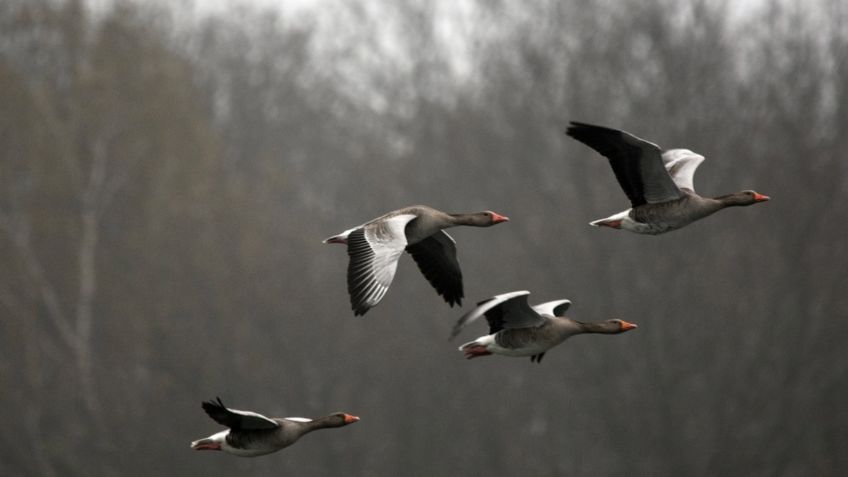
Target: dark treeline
[{"x": 167, "y": 179}]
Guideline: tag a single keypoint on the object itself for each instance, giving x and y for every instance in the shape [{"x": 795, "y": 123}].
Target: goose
[
  {"x": 658, "y": 184},
  {"x": 375, "y": 247},
  {"x": 251, "y": 434},
  {"x": 518, "y": 329}
]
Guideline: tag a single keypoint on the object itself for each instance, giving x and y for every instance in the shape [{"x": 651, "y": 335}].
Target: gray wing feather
[
  {"x": 516, "y": 313},
  {"x": 374, "y": 250},
  {"x": 657, "y": 184},
  {"x": 236, "y": 419},
  {"x": 637, "y": 164},
  {"x": 506, "y": 311}
]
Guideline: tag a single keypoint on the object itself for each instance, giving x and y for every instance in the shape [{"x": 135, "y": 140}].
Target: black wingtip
[
  {"x": 576, "y": 127},
  {"x": 572, "y": 125},
  {"x": 212, "y": 405},
  {"x": 359, "y": 311},
  {"x": 358, "y": 308},
  {"x": 580, "y": 124}
]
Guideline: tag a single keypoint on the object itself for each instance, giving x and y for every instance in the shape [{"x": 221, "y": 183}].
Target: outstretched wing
[
  {"x": 235, "y": 419},
  {"x": 374, "y": 250},
  {"x": 553, "y": 308},
  {"x": 681, "y": 164},
  {"x": 637, "y": 163},
  {"x": 436, "y": 257},
  {"x": 506, "y": 311}
]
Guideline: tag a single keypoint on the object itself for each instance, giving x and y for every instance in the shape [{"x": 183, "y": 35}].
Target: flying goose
[
  {"x": 517, "y": 329},
  {"x": 658, "y": 184},
  {"x": 251, "y": 434},
  {"x": 375, "y": 247}
]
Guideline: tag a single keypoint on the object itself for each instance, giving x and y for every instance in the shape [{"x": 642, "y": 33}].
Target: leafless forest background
[{"x": 168, "y": 174}]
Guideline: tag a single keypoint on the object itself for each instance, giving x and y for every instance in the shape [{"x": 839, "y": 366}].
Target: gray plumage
[
  {"x": 375, "y": 247},
  {"x": 250, "y": 434},
  {"x": 517, "y": 329},
  {"x": 658, "y": 183}
]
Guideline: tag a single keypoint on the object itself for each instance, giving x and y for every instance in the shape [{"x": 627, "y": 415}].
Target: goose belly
[
  {"x": 650, "y": 228},
  {"x": 655, "y": 219},
  {"x": 523, "y": 342},
  {"x": 252, "y": 443},
  {"x": 518, "y": 352},
  {"x": 247, "y": 452}
]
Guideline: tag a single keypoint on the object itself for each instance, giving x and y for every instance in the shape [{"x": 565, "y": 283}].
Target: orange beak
[
  {"x": 348, "y": 419},
  {"x": 627, "y": 326},
  {"x": 760, "y": 197},
  {"x": 498, "y": 218}
]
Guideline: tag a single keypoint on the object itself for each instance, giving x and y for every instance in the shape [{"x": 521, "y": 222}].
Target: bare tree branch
[{"x": 19, "y": 232}]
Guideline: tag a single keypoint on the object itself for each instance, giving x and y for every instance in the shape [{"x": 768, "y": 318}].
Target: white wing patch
[
  {"x": 253, "y": 414},
  {"x": 481, "y": 309},
  {"x": 548, "y": 308},
  {"x": 298, "y": 419},
  {"x": 681, "y": 165}
]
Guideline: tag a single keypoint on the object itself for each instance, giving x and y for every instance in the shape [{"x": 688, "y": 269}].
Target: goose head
[
  {"x": 487, "y": 218},
  {"x": 619, "y": 326},
  {"x": 340, "y": 419},
  {"x": 744, "y": 198}
]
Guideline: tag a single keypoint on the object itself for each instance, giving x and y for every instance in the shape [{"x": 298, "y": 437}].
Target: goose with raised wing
[
  {"x": 518, "y": 329},
  {"x": 658, "y": 183},
  {"x": 375, "y": 247},
  {"x": 250, "y": 434}
]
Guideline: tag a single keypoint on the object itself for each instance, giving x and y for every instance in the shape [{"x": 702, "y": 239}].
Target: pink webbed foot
[{"x": 472, "y": 352}]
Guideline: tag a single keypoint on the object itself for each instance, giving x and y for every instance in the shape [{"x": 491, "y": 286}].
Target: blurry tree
[
  {"x": 78, "y": 136},
  {"x": 167, "y": 180}
]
